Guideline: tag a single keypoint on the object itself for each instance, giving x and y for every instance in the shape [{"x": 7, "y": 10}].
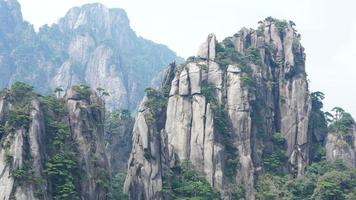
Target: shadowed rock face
[
  {"x": 149, "y": 156},
  {"x": 226, "y": 105},
  {"x": 92, "y": 44},
  {"x": 26, "y": 149}
]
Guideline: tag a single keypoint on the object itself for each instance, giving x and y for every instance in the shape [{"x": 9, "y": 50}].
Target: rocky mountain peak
[
  {"x": 207, "y": 49},
  {"x": 10, "y": 15},
  {"x": 92, "y": 45},
  {"x": 224, "y": 110},
  {"x": 97, "y": 17}
]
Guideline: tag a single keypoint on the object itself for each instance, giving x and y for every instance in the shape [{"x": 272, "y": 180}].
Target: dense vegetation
[
  {"x": 118, "y": 128},
  {"x": 118, "y": 186},
  {"x": 226, "y": 54},
  {"x": 341, "y": 122},
  {"x": 323, "y": 181},
  {"x": 61, "y": 170},
  {"x": 62, "y": 167},
  {"x": 157, "y": 104},
  {"x": 187, "y": 184},
  {"x": 82, "y": 90},
  {"x": 318, "y": 126},
  {"x": 275, "y": 161},
  {"x": 118, "y": 133}
]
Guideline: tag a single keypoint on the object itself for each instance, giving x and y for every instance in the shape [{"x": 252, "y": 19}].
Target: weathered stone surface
[
  {"x": 339, "y": 148},
  {"x": 197, "y": 131},
  {"x": 178, "y": 125},
  {"x": 15, "y": 150},
  {"x": 150, "y": 150},
  {"x": 4, "y": 107},
  {"x": 295, "y": 109},
  {"x": 12, "y": 155},
  {"x": 144, "y": 179},
  {"x": 215, "y": 78},
  {"x": 36, "y": 139},
  {"x": 194, "y": 78},
  {"x": 87, "y": 132},
  {"x": 184, "y": 84},
  {"x": 207, "y": 50},
  {"x": 24, "y": 142},
  {"x": 239, "y": 112},
  {"x": 233, "y": 69},
  {"x": 262, "y": 95}
]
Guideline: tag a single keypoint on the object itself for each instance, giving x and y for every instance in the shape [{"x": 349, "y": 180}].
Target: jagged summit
[
  {"x": 10, "y": 15},
  {"x": 97, "y": 16},
  {"x": 92, "y": 45},
  {"x": 224, "y": 109}
]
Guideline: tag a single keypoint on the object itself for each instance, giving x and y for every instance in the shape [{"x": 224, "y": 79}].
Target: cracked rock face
[
  {"x": 149, "y": 155},
  {"x": 14, "y": 149},
  {"x": 86, "y": 125},
  {"x": 263, "y": 90},
  {"x": 144, "y": 177},
  {"x": 23, "y": 147}
]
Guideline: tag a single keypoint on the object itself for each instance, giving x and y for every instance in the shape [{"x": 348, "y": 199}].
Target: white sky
[{"x": 328, "y": 29}]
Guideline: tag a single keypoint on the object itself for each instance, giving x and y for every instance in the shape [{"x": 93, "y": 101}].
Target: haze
[{"x": 328, "y": 30}]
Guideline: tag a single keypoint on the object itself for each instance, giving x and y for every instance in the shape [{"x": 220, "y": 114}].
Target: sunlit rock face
[
  {"x": 225, "y": 106},
  {"x": 92, "y": 45}
]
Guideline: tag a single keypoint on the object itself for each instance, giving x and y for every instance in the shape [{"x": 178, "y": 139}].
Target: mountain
[
  {"x": 91, "y": 45},
  {"x": 52, "y": 148},
  {"x": 237, "y": 121}
]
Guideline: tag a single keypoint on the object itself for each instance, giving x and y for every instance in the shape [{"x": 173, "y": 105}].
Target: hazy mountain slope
[{"x": 92, "y": 44}]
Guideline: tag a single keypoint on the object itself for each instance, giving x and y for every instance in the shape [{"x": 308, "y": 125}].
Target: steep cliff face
[
  {"x": 52, "y": 148},
  {"x": 16, "y": 36},
  {"x": 149, "y": 156},
  {"x": 24, "y": 141},
  {"x": 118, "y": 134},
  {"x": 92, "y": 44},
  {"x": 237, "y": 107}
]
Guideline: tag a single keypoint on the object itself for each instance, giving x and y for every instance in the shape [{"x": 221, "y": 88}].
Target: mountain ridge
[{"x": 91, "y": 39}]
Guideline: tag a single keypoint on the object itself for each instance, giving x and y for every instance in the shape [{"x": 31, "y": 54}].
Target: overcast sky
[{"x": 328, "y": 29}]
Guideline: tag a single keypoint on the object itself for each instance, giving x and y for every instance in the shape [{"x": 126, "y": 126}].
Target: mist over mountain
[
  {"x": 235, "y": 121},
  {"x": 91, "y": 45}
]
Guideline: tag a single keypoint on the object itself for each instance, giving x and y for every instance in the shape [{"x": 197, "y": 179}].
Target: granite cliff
[
  {"x": 52, "y": 148},
  {"x": 229, "y": 111}
]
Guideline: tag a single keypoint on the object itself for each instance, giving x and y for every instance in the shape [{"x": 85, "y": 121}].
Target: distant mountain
[{"x": 91, "y": 45}]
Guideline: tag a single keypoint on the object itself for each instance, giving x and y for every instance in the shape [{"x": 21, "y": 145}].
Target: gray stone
[
  {"x": 338, "y": 148},
  {"x": 207, "y": 50},
  {"x": 284, "y": 106}
]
